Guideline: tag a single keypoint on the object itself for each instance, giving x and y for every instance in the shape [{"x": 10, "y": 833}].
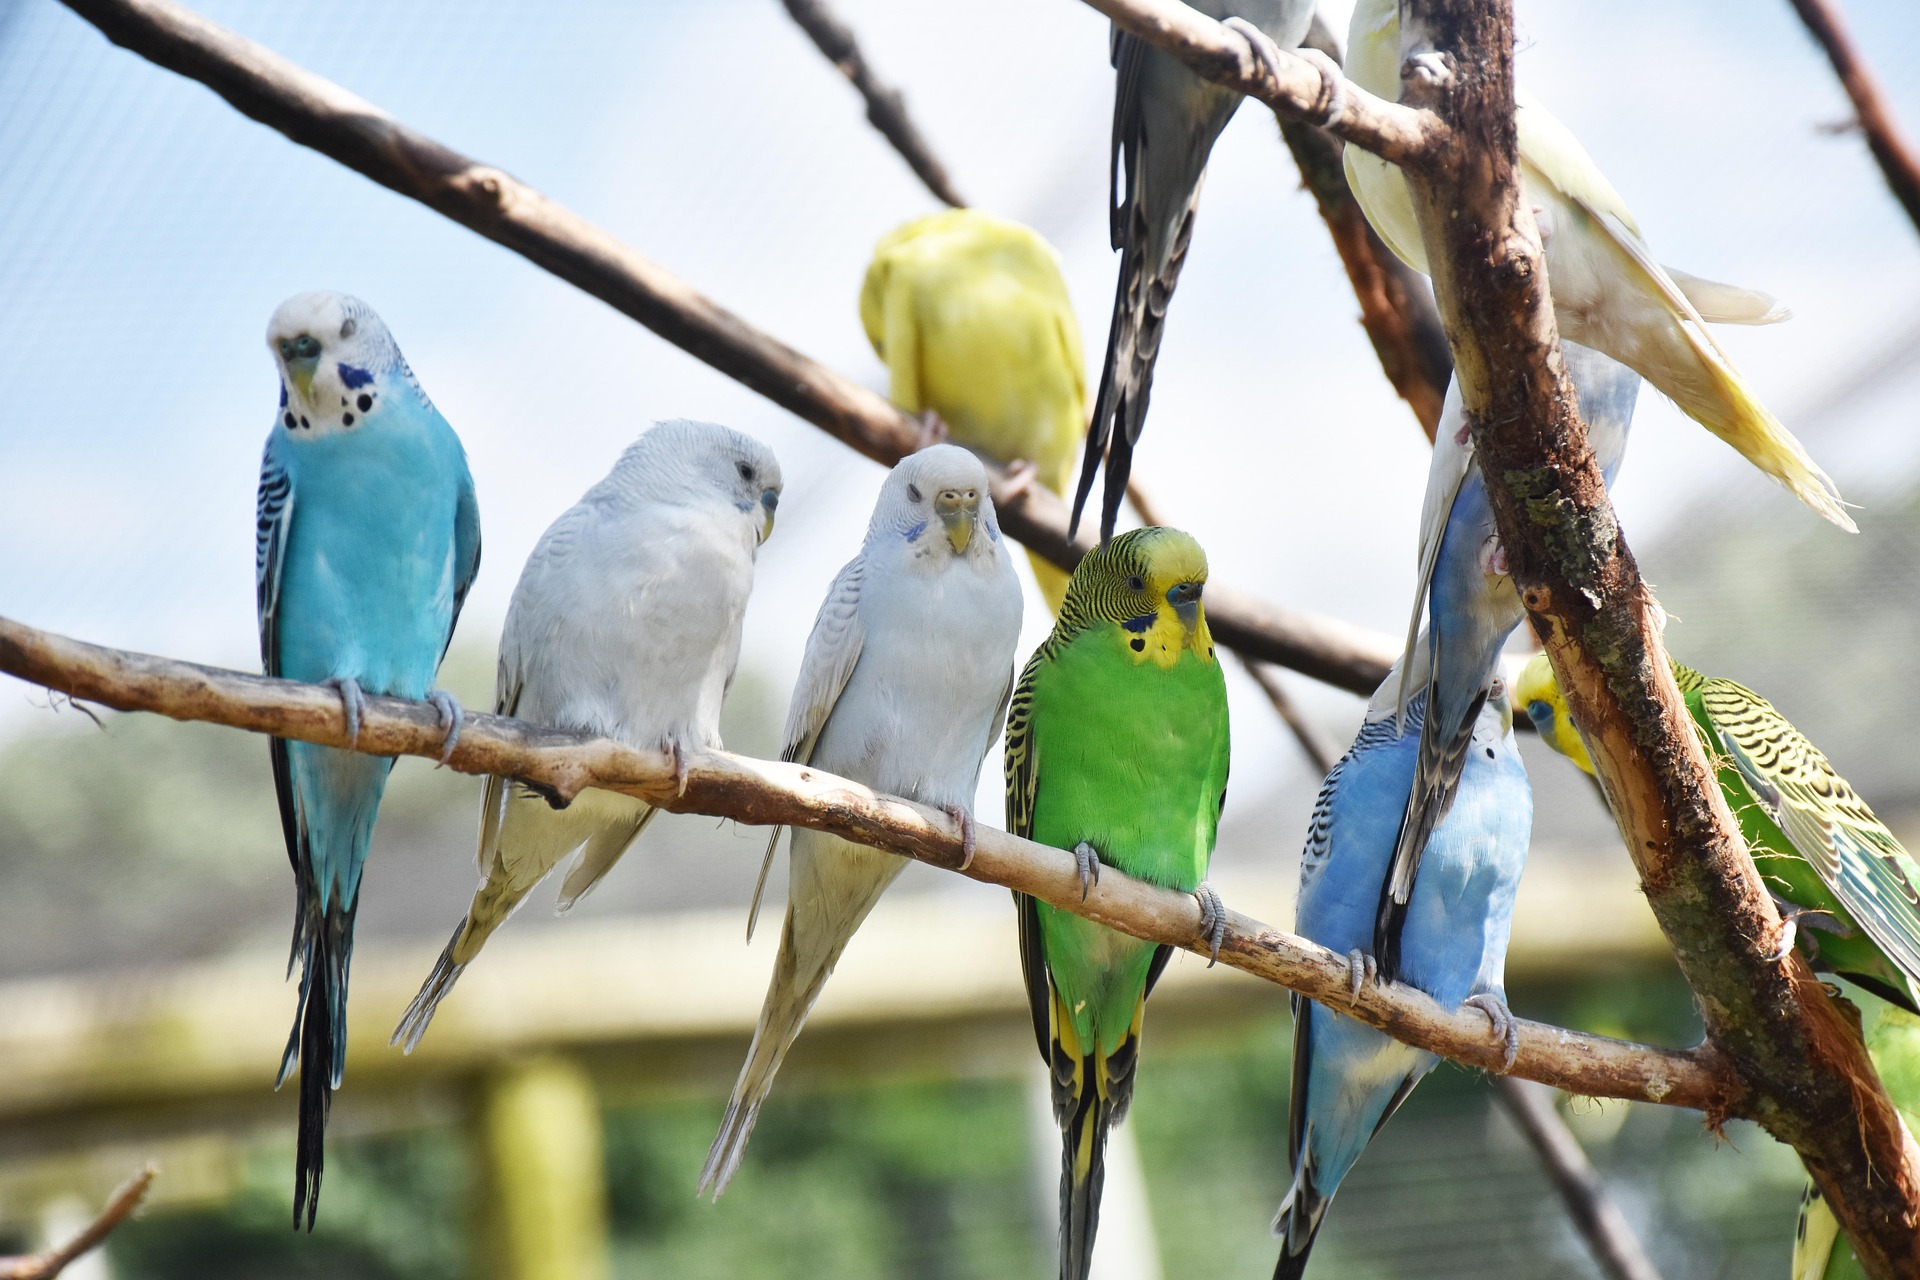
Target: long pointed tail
[
  {"x": 1298, "y": 1220},
  {"x": 789, "y": 999},
  {"x": 323, "y": 942},
  {"x": 446, "y": 972},
  {"x": 1083, "y": 1173}
]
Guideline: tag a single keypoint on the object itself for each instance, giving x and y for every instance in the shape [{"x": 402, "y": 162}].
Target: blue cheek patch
[
  {"x": 915, "y": 531},
  {"x": 1140, "y": 623},
  {"x": 283, "y": 395},
  {"x": 354, "y": 377}
]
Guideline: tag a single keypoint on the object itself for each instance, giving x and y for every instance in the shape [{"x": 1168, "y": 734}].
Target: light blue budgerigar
[
  {"x": 1348, "y": 1078},
  {"x": 368, "y": 538},
  {"x": 1472, "y": 606},
  {"x": 1166, "y": 118}
]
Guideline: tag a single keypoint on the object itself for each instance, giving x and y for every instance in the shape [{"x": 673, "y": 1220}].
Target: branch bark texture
[
  {"x": 886, "y": 108},
  {"x": 1813, "y": 1085},
  {"x": 319, "y": 114},
  {"x": 767, "y": 793},
  {"x": 1889, "y": 145},
  {"x": 45, "y": 1266},
  {"x": 1396, "y": 305}
]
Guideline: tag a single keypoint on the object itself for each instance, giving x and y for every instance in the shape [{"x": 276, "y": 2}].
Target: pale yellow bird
[
  {"x": 1608, "y": 292},
  {"x": 971, "y": 315}
]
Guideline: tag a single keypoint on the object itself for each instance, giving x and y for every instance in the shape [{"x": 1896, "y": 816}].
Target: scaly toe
[
  {"x": 1362, "y": 970},
  {"x": 933, "y": 428},
  {"x": 964, "y": 820},
  {"x": 353, "y": 703},
  {"x": 1503, "y": 1024},
  {"x": 1213, "y": 920},
  {"x": 453, "y": 716},
  {"x": 1089, "y": 863},
  {"x": 1020, "y": 474}
]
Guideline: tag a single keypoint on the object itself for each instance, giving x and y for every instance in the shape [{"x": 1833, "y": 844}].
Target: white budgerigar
[
  {"x": 903, "y": 687},
  {"x": 1608, "y": 291},
  {"x": 625, "y": 624}
]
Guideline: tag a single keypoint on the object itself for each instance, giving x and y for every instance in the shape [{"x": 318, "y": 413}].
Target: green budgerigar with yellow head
[
  {"x": 1117, "y": 750},
  {"x": 1838, "y": 872}
]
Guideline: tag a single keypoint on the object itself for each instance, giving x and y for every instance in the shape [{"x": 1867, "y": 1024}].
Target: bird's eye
[
  {"x": 746, "y": 471},
  {"x": 913, "y": 493},
  {"x": 1136, "y": 583},
  {"x": 348, "y": 327}
]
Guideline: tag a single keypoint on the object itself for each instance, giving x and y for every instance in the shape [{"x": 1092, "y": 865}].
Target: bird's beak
[
  {"x": 959, "y": 510},
  {"x": 302, "y": 371},
  {"x": 1185, "y": 599},
  {"x": 769, "y": 505}
]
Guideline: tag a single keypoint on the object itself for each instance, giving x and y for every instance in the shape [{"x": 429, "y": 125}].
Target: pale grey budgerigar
[
  {"x": 626, "y": 624},
  {"x": 903, "y": 688}
]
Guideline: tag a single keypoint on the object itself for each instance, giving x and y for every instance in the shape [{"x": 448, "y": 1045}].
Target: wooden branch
[
  {"x": 886, "y": 109},
  {"x": 1813, "y": 1085},
  {"x": 1301, "y": 91},
  {"x": 1396, "y": 304},
  {"x": 319, "y": 114},
  {"x": 767, "y": 793},
  {"x": 1885, "y": 138},
  {"x": 45, "y": 1266}
]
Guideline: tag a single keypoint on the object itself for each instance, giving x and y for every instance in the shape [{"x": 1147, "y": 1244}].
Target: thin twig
[
  {"x": 886, "y": 108},
  {"x": 768, "y": 793},
  {"x": 45, "y": 1266},
  {"x": 319, "y": 114},
  {"x": 1898, "y": 161},
  {"x": 1595, "y": 1213}
]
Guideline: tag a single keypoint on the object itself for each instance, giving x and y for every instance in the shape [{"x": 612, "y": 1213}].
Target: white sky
[{"x": 147, "y": 231}]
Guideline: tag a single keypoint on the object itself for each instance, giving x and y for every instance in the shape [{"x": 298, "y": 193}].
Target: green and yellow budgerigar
[
  {"x": 1892, "y": 1035},
  {"x": 1116, "y": 750},
  {"x": 971, "y": 315},
  {"x": 1820, "y": 849}
]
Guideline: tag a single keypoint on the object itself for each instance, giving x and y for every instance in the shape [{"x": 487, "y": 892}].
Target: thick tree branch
[
  {"x": 45, "y": 1266},
  {"x": 1814, "y": 1087},
  {"x": 319, "y": 114},
  {"x": 767, "y": 793},
  {"x": 886, "y": 108},
  {"x": 1885, "y": 139},
  {"x": 1396, "y": 305}
]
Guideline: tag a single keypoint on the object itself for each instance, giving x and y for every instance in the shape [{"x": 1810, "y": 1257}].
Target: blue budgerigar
[
  {"x": 1348, "y": 1078},
  {"x": 1472, "y": 606},
  {"x": 368, "y": 538}
]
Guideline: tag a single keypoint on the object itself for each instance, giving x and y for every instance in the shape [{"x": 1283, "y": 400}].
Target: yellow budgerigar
[
  {"x": 972, "y": 317},
  {"x": 1608, "y": 292}
]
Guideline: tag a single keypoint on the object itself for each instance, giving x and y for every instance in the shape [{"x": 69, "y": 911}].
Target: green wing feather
[{"x": 1826, "y": 821}]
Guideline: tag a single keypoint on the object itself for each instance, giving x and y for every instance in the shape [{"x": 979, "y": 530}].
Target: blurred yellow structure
[{"x": 100, "y": 1073}]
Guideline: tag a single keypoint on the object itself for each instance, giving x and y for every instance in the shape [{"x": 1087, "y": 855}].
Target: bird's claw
[
  {"x": 933, "y": 428},
  {"x": 1332, "y": 102},
  {"x": 964, "y": 820},
  {"x": 1213, "y": 920},
  {"x": 680, "y": 767},
  {"x": 1789, "y": 932},
  {"x": 1362, "y": 970},
  {"x": 1088, "y": 861},
  {"x": 1504, "y": 1025},
  {"x": 354, "y": 702},
  {"x": 1020, "y": 474},
  {"x": 453, "y": 716}
]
